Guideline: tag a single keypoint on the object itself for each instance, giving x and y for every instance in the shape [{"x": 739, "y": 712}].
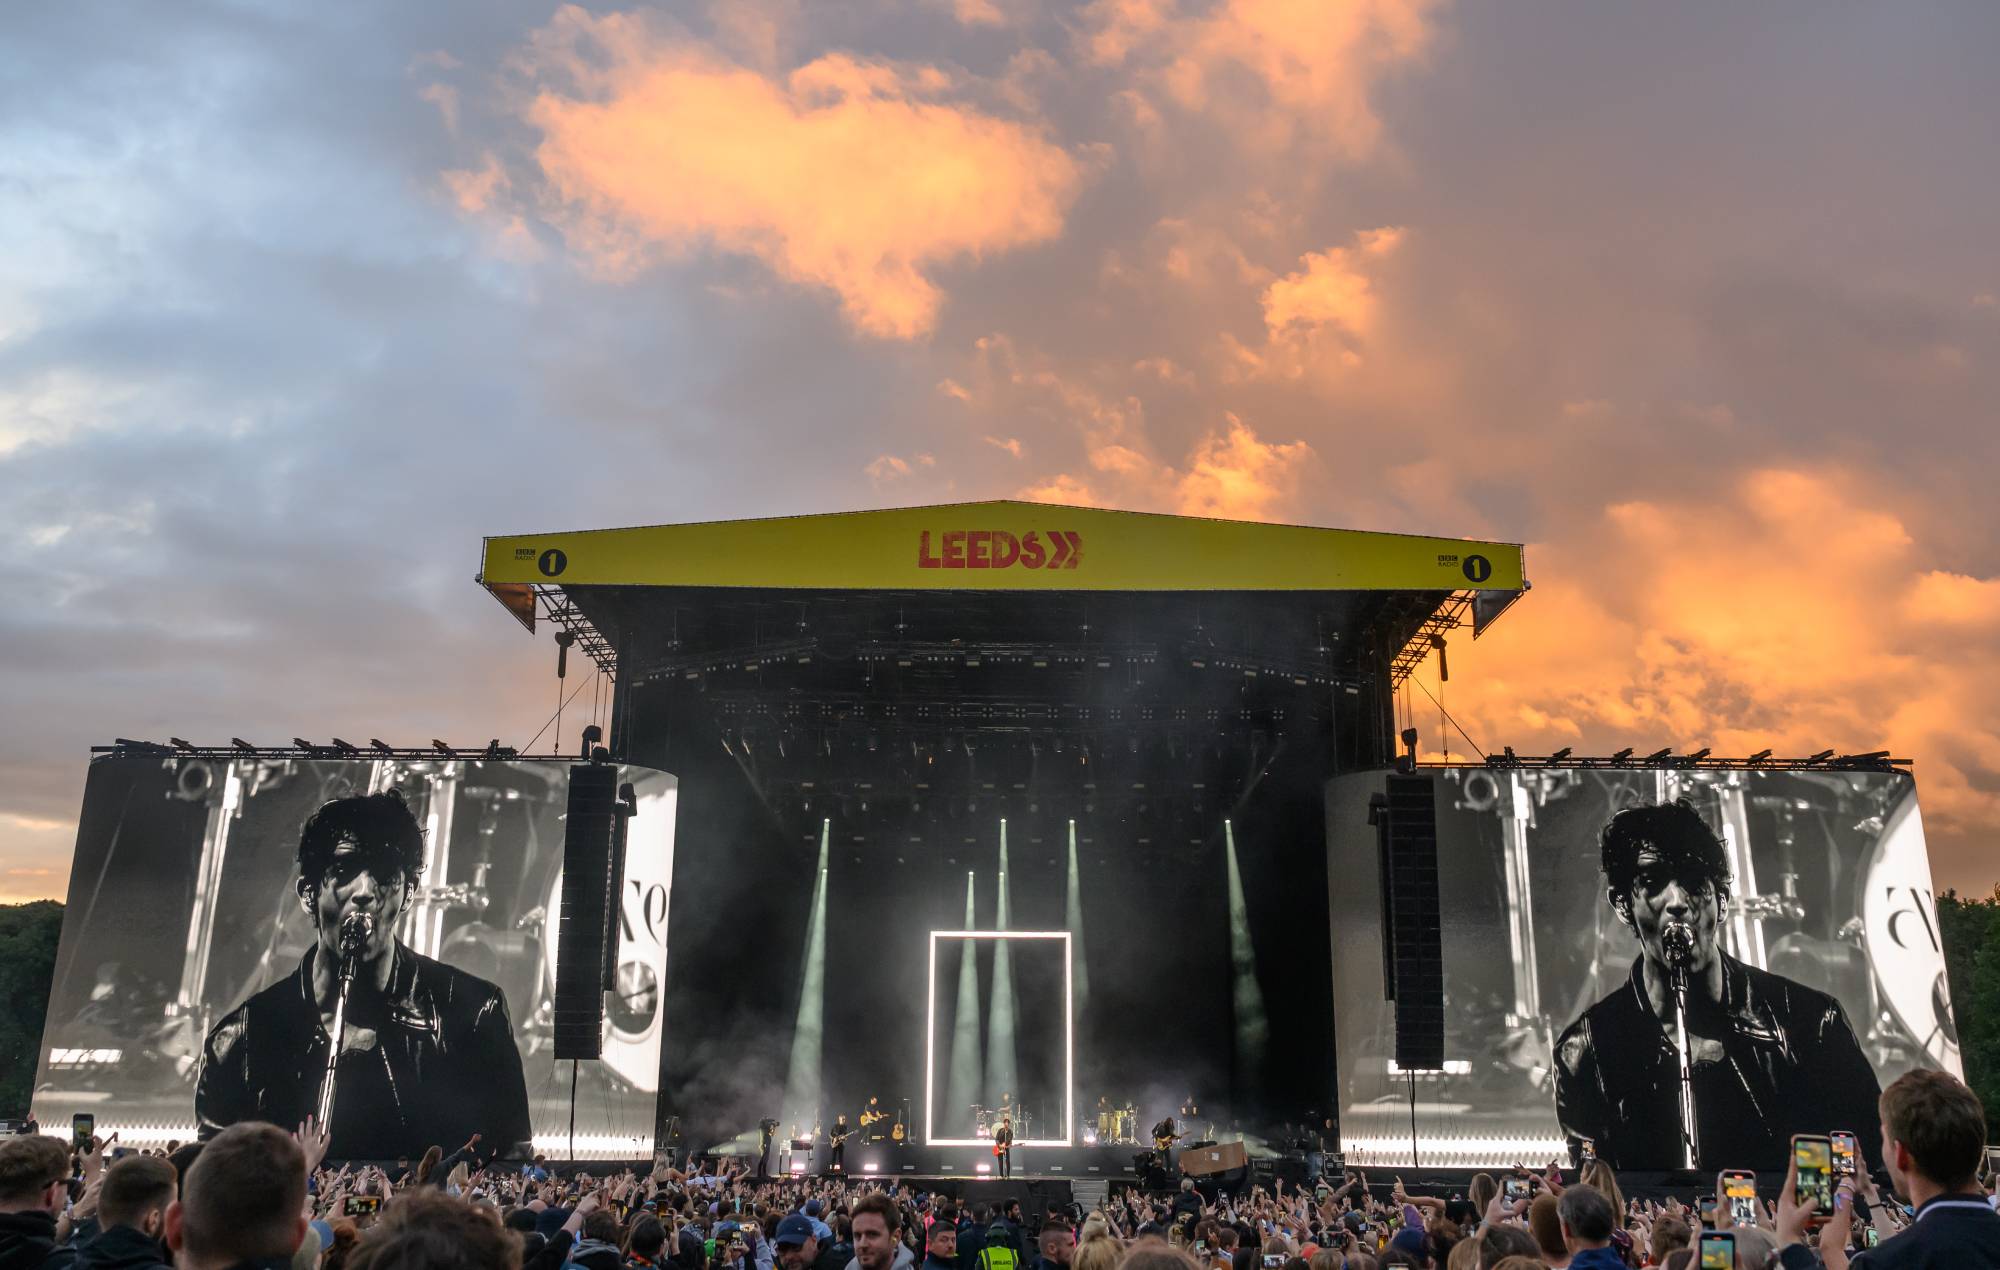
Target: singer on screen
[
  {"x": 428, "y": 1056},
  {"x": 1769, "y": 1057}
]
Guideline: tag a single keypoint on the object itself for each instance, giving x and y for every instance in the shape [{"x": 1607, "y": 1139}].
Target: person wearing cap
[
  {"x": 799, "y": 1246},
  {"x": 1415, "y": 1243}
]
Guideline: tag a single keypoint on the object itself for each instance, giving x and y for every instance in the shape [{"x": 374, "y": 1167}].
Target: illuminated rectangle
[{"x": 1069, "y": 1039}]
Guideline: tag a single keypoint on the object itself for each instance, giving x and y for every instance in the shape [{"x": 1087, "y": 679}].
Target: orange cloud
[
  {"x": 1323, "y": 314},
  {"x": 1276, "y": 70},
  {"x": 1233, "y": 473},
  {"x": 1786, "y": 611},
  {"x": 851, "y": 175}
]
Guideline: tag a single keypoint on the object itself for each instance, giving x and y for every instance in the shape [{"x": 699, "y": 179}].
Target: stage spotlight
[
  {"x": 379, "y": 746},
  {"x": 242, "y": 744},
  {"x": 1698, "y": 755},
  {"x": 441, "y": 747},
  {"x": 302, "y": 745},
  {"x": 1821, "y": 757},
  {"x": 179, "y": 744},
  {"x": 1759, "y": 756},
  {"x": 1660, "y": 756},
  {"x": 802, "y": 1080},
  {"x": 1559, "y": 757},
  {"x": 1623, "y": 755},
  {"x": 346, "y": 749}
]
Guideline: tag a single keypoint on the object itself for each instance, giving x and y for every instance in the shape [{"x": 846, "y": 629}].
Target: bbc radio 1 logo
[
  {"x": 1475, "y": 568},
  {"x": 549, "y": 563}
]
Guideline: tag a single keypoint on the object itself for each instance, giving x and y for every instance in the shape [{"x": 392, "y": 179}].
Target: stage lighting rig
[
  {"x": 304, "y": 746},
  {"x": 1696, "y": 757},
  {"x": 379, "y": 746},
  {"x": 1821, "y": 757},
  {"x": 179, "y": 744},
  {"x": 242, "y": 745},
  {"x": 1623, "y": 756},
  {"x": 346, "y": 750},
  {"x": 1557, "y": 759},
  {"x": 441, "y": 747},
  {"x": 1658, "y": 757},
  {"x": 1759, "y": 756}
]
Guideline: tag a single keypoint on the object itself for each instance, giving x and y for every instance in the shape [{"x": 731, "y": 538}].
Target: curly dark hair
[
  {"x": 1675, "y": 831},
  {"x": 381, "y": 826}
]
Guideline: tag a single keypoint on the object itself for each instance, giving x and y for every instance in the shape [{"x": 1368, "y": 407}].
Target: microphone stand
[
  {"x": 347, "y": 960},
  {"x": 1690, "y": 1150}
]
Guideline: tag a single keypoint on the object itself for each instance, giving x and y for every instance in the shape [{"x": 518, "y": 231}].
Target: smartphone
[
  {"x": 1845, "y": 1148},
  {"x": 362, "y": 1205},
  {"x": 1201, "y": 1247},
  {"x": 1515, "y": 1187},
  {"x": 82, "y": 1127},
  {"x": 1739, "y": 1191},
  {"x": 1586, "y": 1151},
  {"x": 1813, "y": 1155},
  {"x": 1870, "y": 1236},
  {"x": 1274, "y": 1260},
  {"x": 1717, "y": 1251}
]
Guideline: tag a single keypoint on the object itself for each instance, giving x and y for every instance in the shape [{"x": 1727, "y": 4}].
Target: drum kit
[
  {"x": 1117, "y": 1126},
  {"x": 987, "y": 1119}
]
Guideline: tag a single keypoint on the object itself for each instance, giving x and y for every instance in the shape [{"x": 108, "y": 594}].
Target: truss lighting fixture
[{"x": 1069, "y": 1040}]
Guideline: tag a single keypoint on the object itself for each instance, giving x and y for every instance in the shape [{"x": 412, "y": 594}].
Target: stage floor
[{"x": 921, "y": 1162}]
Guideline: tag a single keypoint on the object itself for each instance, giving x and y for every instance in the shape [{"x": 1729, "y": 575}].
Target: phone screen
[
  {"x": 1814, "y": 1157},
  {"x": 1845, "y": 1147},
  {"x": 1516, "y": 1188},
  {"x": 82, "y": 1126},
  {"x": 1739, "y": 1191},
  {"x": 1586, "y": 1150},
  {"x": 1871, "y": 1236},
  {"x": 361, "y": 1205},
  {"x": 1273, "y": 1260},
  {"x": 1718, "y": 1250}
]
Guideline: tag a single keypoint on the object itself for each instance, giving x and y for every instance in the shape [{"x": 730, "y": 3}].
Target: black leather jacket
[
  {"x": 1790, "y": 1065},
  {"x": 444, "y": 1065}
]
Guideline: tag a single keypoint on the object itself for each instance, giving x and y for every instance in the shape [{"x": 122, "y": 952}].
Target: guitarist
[
  {"x": 836, "y": 1138},
  {"x": 1165, "y": 1134},
  {"x": 1003, "y": 1145}
]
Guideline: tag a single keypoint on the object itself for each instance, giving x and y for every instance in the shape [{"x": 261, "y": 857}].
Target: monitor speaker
[
  {"x": 581, "y": 941},
  {"x": 1412, "y": 923}
]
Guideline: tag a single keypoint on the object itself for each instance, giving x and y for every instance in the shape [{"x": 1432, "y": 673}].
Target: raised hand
[{"x": 313, "y": 1139}]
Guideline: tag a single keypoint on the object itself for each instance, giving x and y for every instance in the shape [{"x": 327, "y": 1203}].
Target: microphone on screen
[{"x": 356, "y": 929}]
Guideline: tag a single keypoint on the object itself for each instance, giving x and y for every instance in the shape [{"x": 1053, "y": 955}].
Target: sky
[{"x": 1700, "y": 301}]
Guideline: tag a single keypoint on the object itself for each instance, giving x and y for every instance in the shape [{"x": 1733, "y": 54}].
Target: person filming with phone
[{"x": 1933, "y": 1138}]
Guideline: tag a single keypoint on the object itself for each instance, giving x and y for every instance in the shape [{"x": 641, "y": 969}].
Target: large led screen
[
  {"x": 1793, "y": 910},
  {"x": 201, "y": 952}
]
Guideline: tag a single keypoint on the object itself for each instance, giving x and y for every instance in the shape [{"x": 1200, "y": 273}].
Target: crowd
[{"x": 256, "y": 1197}]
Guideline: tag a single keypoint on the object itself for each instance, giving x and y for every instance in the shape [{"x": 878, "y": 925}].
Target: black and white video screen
[
  {"x": 216, "y": 906},
  {"x": 1788, "y": 917}
]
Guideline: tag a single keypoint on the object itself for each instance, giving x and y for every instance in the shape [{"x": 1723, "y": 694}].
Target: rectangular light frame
[{"x": 1069, "y": 1039}]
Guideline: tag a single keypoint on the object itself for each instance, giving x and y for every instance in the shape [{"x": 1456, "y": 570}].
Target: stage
[{"x": 970, "y": 1163}]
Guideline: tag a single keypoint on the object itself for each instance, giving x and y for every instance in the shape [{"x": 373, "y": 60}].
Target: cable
[
  {"x": 552, "y": 719},
  {"x": 1476, "y": 747}
]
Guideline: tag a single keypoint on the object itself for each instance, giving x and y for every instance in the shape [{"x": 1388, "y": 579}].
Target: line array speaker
[
  {"x": 586, "y": 911},
  {"x": 1415, "y": 927}
]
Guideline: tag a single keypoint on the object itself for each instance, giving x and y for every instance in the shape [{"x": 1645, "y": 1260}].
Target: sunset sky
[{"x": 1700, "y": 301}]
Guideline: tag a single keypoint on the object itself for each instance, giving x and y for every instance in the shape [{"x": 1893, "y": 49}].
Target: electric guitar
[{"x": 1162, "y": 1142}]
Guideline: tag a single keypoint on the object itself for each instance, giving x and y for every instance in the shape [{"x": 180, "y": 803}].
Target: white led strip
[{"x": 1069, "y": 1039}]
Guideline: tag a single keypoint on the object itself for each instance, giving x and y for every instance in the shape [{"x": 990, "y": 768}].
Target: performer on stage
[
  {"x": 836, "y": 1137},
  {"x": 429, "y": 1053},
  {"x": 767, "y": 1128},
  {"x": 1003, "y": 1145},
  {"x": 1770, "y": 1057},
  {"x": 1165, "y": 1134}
]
